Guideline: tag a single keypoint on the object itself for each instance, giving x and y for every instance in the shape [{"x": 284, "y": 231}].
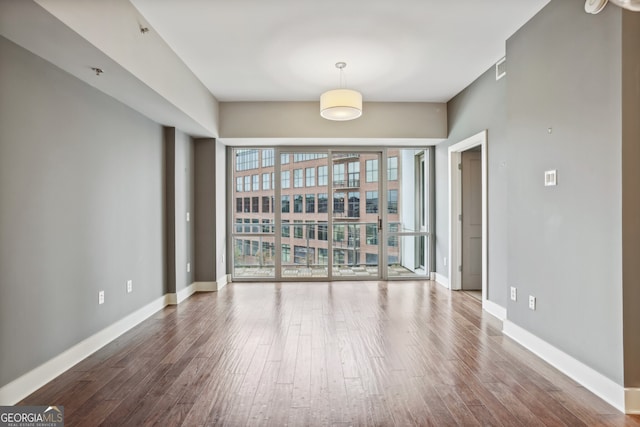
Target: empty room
[{"x": 319, "y": 213}]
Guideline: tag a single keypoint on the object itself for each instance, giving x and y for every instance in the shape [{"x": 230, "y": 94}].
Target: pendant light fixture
[
  {"x": 596, "y": 6},
  {"x": 341, "y": 104}
]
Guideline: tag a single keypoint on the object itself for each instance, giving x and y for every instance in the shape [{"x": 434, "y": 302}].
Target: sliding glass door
[
  {"x": 325, "y": 214},
  {"x": 356, "y": 219},
  {"x": 304, "y": 215}
]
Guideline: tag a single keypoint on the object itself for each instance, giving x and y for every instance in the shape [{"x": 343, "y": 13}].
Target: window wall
[{"x": 325, "y": 214}]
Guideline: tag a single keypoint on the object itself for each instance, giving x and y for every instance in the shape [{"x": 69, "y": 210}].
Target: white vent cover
[{"x": 501, "y": 68}]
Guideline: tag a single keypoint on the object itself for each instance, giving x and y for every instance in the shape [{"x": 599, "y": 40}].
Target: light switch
[{"x": 550, "y": 178}]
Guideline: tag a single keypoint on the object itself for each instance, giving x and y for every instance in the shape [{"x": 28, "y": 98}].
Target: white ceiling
[{"x": 285, "y": 50}]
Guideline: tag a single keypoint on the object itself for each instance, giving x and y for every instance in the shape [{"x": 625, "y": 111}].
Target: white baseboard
[
  {"x": 444, "y": 281},
  {"x": 21, "y": 387},
  {"x": 222, "y": 282},
  {"x": 494, "y": 309},
  {"x": 177, "y": 298},
  {"x": 603, "y": 387},
  {"x": 205, "y": 286},
  {"x": 632, "y": 400}
]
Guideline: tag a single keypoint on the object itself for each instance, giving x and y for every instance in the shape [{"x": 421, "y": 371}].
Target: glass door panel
[
  {"x": 304, "y": 215},
  {"x": 407, "y": 241},
  {"x": 356, "y": 215},
  {"x": 252, "y": 234}
]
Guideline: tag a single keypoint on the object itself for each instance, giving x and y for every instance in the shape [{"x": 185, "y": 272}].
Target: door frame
[{"x": 455, "y": 210}]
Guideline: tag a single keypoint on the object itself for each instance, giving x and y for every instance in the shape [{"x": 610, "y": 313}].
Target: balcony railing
[{"x": 351, "y": 183}]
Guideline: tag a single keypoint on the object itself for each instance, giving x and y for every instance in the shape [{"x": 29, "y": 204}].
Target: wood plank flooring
[{"x": 307, "y": 354}]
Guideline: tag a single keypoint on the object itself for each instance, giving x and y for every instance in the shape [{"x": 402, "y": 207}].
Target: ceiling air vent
[{"x": 501, "y": 68}]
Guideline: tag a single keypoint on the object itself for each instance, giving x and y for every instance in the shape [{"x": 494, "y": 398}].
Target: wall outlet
[
  {"x": 100, "y": 297},
  {"x": 129, "y": 286},
  {"x": 188, "y": 217},
  {"x": 188, "y": 267},
  {"x": 532, "y": 302},
  {"x": 514, "y": 294}
]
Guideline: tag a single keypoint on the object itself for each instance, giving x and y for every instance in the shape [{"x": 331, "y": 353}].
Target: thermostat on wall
[{"x": 550, "y": 178}]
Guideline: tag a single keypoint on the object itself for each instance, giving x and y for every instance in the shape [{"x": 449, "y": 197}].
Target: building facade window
[
  {"x": 286, "y": 253},
  {"x": 239, "y": 184},
  {"x": 322, "y": 175},
  {"x": 310, "y": 177},
  {"x": 298, "y": 233},
  {"x": 255, "y": 179},
  {"x": 371, "y": 202},
  {"x": 354, "y": 204},
  {"x": 247, "y": 204},
  {"x": 303, "y": 255},
  {"x": 392, "y": 169},
  {"x": 246, "y": 160},
  {"x": 297, "y": 203},
  {"x": 338, "y": 175},
  {"x": 338, "y": 203},
  {"x": 323, "y": 256},
  {"x": 310, "y": 203},
  {"x": 266, "y": 181},
  {"x": 267, "y": 157},
  {"x": 285, "y": 177},
  {"x": 247, "y": 183},
  {"x": 372, "y": 234},
  {"x": 298, "y": 180},
  {"x": 285, "y": 204},
  {"x": 311, "y": 230},
  {"x": 265, "y": 204},
  {"x": 322, "y": 231},
  {"x": 255, "y": 204},
  {"x": 354, "y": 174},
  {"x": 393, "y": 240},
  {"x": 392, "y": 201},
  {"x": 286, "y": 231},
  {"x": 322, "y": 203},
  {"x": 371, "y": 170},
  {"x": 371, "y": 259},
  {"x": 238, "y": 204}
]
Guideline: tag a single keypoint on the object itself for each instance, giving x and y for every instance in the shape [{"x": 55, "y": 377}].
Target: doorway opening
[{"x": 468, "y": 216}]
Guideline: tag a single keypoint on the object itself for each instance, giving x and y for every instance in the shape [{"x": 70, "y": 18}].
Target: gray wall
[
  {"x": 480, "y": 106},
  {"x": 81, "y": 196},
  {"x": 561, "y": 244},
  {"x": 302, "y": 120},
  {"x": 221, "y": 210},
  {"x": 631, "y": 195},
  {"x": 184, "y": 203},
  {"x": 205, "y": 209},
  {"x": 564, "y": 72}
]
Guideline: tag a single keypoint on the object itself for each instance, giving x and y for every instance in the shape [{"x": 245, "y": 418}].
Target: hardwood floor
[{"x": 341, "y": 354}]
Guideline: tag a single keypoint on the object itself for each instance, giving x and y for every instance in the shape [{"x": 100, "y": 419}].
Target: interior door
[{"x": 471, "y": 220}]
